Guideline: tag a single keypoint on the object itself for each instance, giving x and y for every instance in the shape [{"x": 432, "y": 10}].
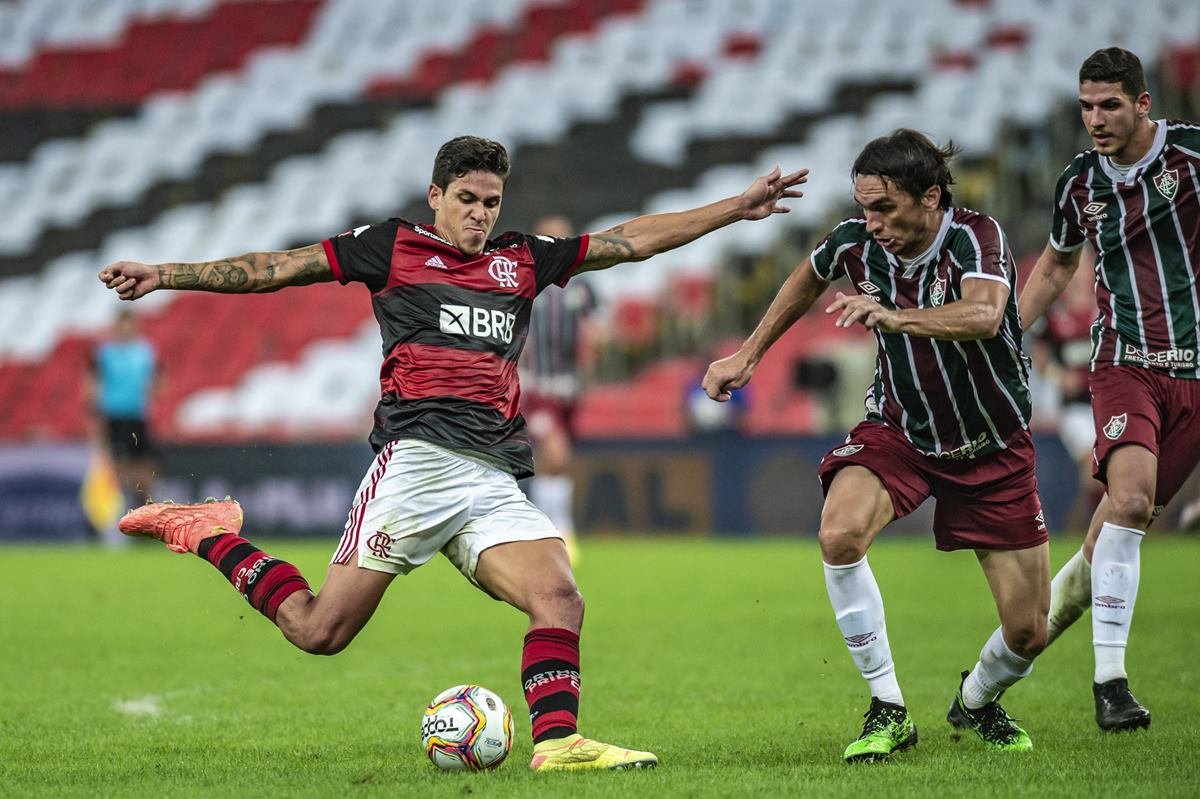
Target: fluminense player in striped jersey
[
  {"x": 453, "y": 306},
  {"x": 946, "y": 417},
  {"x": 1134, "y": 198}
]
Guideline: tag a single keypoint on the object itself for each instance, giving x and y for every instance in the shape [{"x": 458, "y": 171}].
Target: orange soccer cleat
[{"x": 183, "y": 527}]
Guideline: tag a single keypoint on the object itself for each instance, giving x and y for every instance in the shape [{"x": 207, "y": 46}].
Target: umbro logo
[
  {"x": 1094, "y": 211},
  {"x": 436, "y": 262},
  {"x": 869, "y": 287},
  {"x": 860, "y": 640}
]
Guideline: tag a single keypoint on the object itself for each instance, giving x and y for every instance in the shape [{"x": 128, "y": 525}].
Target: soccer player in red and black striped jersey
[
  {"x": 453, "y": 305},
  {"x": 946, "y": 417},
  {"x": 1135, "y": 197}
]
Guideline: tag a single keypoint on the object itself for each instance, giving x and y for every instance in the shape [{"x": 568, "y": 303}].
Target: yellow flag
[{"x": 100, "y": 495}]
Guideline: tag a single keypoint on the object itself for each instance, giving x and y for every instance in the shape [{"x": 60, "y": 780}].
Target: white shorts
[{"x": 419, "y": 499}]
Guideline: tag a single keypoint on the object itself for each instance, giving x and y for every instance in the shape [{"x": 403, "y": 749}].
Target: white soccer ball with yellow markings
[{"x": 467, "y": 728}]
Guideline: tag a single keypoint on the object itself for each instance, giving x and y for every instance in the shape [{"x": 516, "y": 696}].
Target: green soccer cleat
[
  {"x": 888, "y": 728},
  {"x": 990, "y": 723}
]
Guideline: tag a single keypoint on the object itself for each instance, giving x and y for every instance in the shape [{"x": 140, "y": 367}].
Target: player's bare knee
[
  {"x": 841, "y": 544},
  {"x": 1131, "y": 510},
  {"x": 558, "y": 605},
  {"x": 1027, "y": 638},
  {"x": 325, "y": 639}
]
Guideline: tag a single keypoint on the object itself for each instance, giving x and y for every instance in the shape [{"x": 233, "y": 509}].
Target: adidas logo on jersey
[{"x": 436, "y": 262}]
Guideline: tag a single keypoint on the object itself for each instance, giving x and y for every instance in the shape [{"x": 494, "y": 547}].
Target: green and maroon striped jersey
[
  {"x": 950, "y": 399},
  {"x": 1145, "y": 228}
]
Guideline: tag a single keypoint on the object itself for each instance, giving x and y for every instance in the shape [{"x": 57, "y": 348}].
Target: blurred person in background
[
  {"x": 946, "y": 417},
  {"x": 124, "y": 377},
  {"x": 1133, "y": 196},
  {"x": 555, "y": 366},
  {"x": 453, "y": 307}
]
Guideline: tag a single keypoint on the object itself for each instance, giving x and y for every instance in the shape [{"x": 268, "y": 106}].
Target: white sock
[
  {"x": 858, "y": 606},
  {"x": 1070, "y": 595},
  {"x": 553, "y": 494},
  {"x": 998, "y": 668},
  {"x": 1115, "y": 571}
]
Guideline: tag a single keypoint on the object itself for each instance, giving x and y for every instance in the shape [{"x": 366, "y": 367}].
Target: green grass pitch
[{"x": 135, "y": 672}]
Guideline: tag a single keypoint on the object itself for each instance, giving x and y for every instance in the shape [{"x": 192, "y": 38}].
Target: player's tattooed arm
[
  {"x": 253, "y": 272},
  {"x": 607, "y": 249},
  {"x": 647, "y": 236}
]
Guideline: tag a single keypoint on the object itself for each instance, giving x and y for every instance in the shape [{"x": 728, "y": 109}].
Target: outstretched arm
[
  {"x": 646, "y": 236},
  {"x": 253, "y": 272},
  {"x": 977, "y": 314},
  {"x": 795, "y": 297},
  {"x": 1051, "y": 274}
]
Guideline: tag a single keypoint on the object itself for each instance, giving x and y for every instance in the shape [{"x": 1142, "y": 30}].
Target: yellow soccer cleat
[
  {"x": 575, "y": 753},
  {"x": 183, "y": 527}
]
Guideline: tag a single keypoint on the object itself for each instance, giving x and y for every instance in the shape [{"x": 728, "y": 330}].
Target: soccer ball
[{"x": 467, "y": 728}]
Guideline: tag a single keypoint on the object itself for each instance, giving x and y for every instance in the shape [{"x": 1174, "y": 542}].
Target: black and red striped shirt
[{"x": 453, "y": 327}]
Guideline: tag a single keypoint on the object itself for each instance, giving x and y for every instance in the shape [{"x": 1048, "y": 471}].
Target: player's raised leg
[
  {"x": 1020, "y": 583},
  {"x": 322, "y": 624},
  {"x": 856, "y": 508},
  {"x": 1131, "y": 471},
  {"x": 535, "y": 577}
]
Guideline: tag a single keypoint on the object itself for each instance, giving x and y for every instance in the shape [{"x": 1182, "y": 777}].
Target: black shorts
[{"x": 128, "y": 438}]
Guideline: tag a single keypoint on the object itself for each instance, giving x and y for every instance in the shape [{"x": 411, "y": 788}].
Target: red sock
[
  {"x": 263, "y": 580},
  {"x": 550, "y": 673}
]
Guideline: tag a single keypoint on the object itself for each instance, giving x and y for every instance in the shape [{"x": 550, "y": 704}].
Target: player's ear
[
  {"x": 434, "y": 196},
  {"x": 1141, "y": 105},
  {"x": 932, "y": 198}
]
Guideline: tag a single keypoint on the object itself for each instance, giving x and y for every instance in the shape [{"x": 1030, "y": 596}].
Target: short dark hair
[
  {"x": 912, "y": 161},
  {"x": 465, "y": 154},
  {"x": 1115, "y": 65}
]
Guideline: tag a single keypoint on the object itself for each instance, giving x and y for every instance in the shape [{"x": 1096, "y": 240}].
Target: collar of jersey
[{"x": 1136, "y": 170}]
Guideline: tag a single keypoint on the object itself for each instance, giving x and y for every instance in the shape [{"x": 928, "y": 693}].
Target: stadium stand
[{"x": 332, "y": 120}]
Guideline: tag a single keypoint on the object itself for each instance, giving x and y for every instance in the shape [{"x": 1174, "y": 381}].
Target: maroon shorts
[
  {"x": 1132, "y": 405},
  {"x": 544, "y": 413},
  {"x": 988, "y": 502}
]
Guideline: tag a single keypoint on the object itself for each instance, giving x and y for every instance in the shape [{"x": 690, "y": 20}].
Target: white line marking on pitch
[{"x": 149, "y": 705}]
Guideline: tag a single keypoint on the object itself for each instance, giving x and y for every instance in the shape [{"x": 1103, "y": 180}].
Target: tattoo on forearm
[
  {"x": 610, "y": 247},
  {"x": 260, "y": 271}
]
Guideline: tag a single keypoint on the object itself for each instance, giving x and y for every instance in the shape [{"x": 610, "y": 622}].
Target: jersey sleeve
[
  {"x": 826, "y": 256},
  {"x": 1066, "y": 233},
  {"x": 983, "y": 251},
  {"x": 555, "y": 260},
  {"x": 363, "y": 255}
]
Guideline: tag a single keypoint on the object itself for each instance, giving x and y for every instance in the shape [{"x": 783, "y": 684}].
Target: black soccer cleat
[
  {"x": 1117, "y": 709},
  {"x": 994, "y": 727}
]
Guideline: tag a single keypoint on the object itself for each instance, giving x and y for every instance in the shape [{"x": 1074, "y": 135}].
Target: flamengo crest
[
  {"x": 503, "y": 271},
  {"x": 1167, "y": 183},
  {"x": 1115, "y": 426},
  {"x": 937, "y": 292}
]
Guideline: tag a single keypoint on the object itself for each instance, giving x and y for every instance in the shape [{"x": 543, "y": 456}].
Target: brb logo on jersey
[
  {"x": 465, "y": 320},
  {"x": 503, "y": 271}
]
